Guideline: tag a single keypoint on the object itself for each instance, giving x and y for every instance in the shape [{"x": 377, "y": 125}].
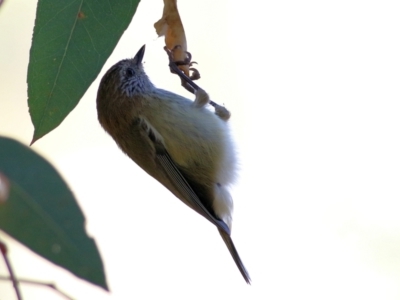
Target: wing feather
[{"x": 181, "y": 188}]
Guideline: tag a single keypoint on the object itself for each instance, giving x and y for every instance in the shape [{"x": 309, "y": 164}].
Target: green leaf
[
  {"x": 71, "y": 42},
  {"x": 42, "y": 213}
]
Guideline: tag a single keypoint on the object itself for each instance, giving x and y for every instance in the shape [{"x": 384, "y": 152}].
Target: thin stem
[
  {"x": 49, "y": 285},
  {"x": 12, "y": 277}
]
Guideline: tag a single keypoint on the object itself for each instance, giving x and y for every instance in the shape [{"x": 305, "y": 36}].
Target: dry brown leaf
[{"x": 171, "y": 26}]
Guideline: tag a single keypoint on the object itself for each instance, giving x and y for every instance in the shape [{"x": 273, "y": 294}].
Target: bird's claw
[
  {"x": 195, "y": 74},
  {"x": 187, "y": 82},
  {"x": 186, "y": 62}
]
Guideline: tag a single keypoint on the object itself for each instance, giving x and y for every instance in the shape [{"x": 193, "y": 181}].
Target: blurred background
[{"x": 313, "y": 87}]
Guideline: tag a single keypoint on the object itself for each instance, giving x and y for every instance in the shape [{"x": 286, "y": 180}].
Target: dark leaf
[
  {"x": 41, "y": 212},
  {"x": 71, "y": 42}
]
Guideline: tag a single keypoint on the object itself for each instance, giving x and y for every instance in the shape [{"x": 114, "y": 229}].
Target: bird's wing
[
  {"x": 186, "y": 190},
  {"x": 167, "y": 172},
  {"x": 153, "y": 157}
]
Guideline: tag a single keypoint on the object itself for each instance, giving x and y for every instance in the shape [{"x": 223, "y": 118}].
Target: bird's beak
[{"x": 139, "y": 55}]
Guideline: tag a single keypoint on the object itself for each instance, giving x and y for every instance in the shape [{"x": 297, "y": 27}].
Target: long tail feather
[{"x": 235, "y": 255}]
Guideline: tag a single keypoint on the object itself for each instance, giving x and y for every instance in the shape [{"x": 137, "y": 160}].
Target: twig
[
  {"x": 49, "y": 285},
  {"x": 12, "y": 277}
]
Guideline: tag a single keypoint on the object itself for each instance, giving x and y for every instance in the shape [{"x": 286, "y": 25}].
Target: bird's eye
[{"x": 130, "y": 72}]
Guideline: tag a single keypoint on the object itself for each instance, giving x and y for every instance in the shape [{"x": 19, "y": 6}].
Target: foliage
[{"x": 71, "y": 42}]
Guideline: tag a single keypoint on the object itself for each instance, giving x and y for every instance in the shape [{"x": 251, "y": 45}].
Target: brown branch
[
  {"x": 3, "y": 249},
  {"x": 15, "y": 281},
  {"x": 41, "y": 283}
]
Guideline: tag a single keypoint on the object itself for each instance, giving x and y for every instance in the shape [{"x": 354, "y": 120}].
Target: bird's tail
[{"x": 235, "y": 255}]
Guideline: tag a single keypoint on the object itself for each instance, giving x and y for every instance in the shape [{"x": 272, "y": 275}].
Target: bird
[{"x": 179, "y": 142}]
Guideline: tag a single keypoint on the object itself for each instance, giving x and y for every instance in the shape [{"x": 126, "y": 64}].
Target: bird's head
[{"x": 128, "y": 76}]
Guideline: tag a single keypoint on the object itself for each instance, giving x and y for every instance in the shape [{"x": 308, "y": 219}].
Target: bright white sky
[{"x": 313, "y": 87}]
